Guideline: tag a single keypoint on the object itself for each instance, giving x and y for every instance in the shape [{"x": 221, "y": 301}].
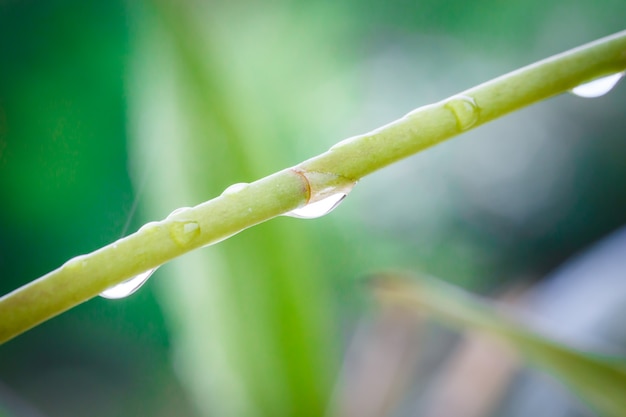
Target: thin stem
[{"x": 84, "y": 277}]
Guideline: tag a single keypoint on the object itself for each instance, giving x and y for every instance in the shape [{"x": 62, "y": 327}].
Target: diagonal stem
[{"x": 84, "y": 277}]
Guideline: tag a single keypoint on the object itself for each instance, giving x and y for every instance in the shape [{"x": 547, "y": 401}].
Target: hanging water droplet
[
  {"x": 325, "y": 192},
  {"x": 235, "y": 188},
  {"x": 465, "y": 110},
  {"x": 126, "y": 288},
  {"x": 183, "y": 232},
  {"x": 318, "y": 208},
  {"x": 597, "y": 87}
]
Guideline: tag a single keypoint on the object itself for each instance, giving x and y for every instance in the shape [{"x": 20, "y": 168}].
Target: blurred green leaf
[
  {"x": 251, "y": 317},
  {"x": 599, "y": 381}
]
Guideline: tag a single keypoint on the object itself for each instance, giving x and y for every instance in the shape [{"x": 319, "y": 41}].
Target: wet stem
[{"x": 324, "y": 176}]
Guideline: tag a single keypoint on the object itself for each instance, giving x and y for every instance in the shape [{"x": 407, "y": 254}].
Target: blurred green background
[{"x": 105, "y": 104}]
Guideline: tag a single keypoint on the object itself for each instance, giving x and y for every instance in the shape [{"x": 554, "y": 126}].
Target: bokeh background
[{"x": 154, "y": 104}]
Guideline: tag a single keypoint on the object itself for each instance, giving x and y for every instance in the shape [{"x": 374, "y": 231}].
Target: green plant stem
[{"x": 84, "y": 277}]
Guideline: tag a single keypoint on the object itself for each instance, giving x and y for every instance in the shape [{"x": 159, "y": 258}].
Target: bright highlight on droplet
[
  {"x": 318, "y": 208},
  {"x": 598, "y": 87},
  {"x": 126, "y": 288},
  {"x": 465, "y": 111}
]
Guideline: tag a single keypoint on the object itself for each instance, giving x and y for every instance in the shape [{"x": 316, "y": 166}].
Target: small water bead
[
  {"x": 346, "y": 142},
  {"x": 318, "y": 208},
  {"x": 235, "y": 188},
  {"x": 76, "y": 263},
  {"x": 183, "y": 229},
  {"x": 184, "y": 232},
  {"x": 465, "y": 111},
  {"x": 126, "y": 288},
  {"x": 179, "y": 211},
  {"x": 598, "y": 87},
  {"x": 150, "y": 227}
]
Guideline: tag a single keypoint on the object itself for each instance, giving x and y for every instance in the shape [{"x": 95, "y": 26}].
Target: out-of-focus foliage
[{"x": 103, "y": 103}]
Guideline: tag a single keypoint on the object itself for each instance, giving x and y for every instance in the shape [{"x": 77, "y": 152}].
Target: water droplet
[
  {"x": 179, "y": 211},
  {"x": 235, "y": 188},
  {"x": 76, "y": 263},
  {"x": 184, "y": 232},
  {"x": 150, "y": 227},
  {"x": 182, "y": 226},
  {"x": 597, "y": 87},
  {"x": 465, "y": 111},
  {"x": 126, "y": 288},
  {"x": 318, "y": 208},
  {"x": 345, "y": 142},
  {"x": 326, "y": 191}
]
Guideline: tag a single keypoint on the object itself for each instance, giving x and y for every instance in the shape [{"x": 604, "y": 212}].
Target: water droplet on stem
[
  {"x": 179, "y": 211},
  {"x": 598, "y": 87},
  {"x": 150, "y": 227},
  {"x": 318, "y": 208},
  {"x": 346, "y": 142},
  {"x": 183, "y": 232},
  {"x": 235, "y": 188},
  {"x": 183, "y": 228},
  {"x": 465, "y": 111},
  {"x": 77, "y": 262},
  {"x": 126, "y": 288},
  {"x": 326, "y": 191}
]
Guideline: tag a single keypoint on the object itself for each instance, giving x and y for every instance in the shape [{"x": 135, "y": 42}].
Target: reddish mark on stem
[{"x": 305, "y": 182}]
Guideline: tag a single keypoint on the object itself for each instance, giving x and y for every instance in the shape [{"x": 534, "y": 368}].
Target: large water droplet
[
  {"x": 465, "y": 110},
  {"x": 318, "y": 208},
  {"x": 597, "y": 87},
  {"x": 235, "y": 188},
  {"x": 326, "y": 191},
  {"x": 126, "y": 288}
]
